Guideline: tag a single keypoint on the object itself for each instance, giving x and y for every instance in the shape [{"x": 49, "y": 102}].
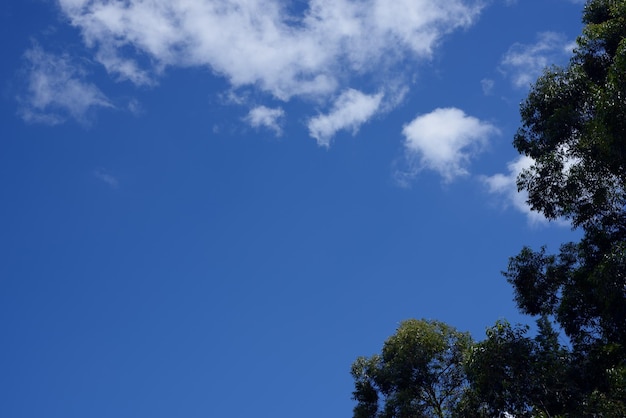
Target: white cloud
[
  {"x": 505, "y": 186},
  {"x": 351, "y": 110},
  {"x": 445, "y": 140},
  {"x": 262, "y": 116},
  {"x": 256, "y": 42},
  {"x": 524, "y": 63},
  {"x": 265, "y": 44},
  {"x": 56, "y": 89}
]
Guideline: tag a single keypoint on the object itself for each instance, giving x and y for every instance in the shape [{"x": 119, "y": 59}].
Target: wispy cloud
[
  {"x": 107, "y": 178},
  {"x": 56, "y": 89},
  {"x": 134, "y": 107},
  {"x": 524, "y": 63},
  {"x": 487, "y": 85},
  {"x": 445, "y": 140},
  {"x": 313, "y": 54},
  {"x": 351, "y": 110},
  {"x": 262, "y": 116}
]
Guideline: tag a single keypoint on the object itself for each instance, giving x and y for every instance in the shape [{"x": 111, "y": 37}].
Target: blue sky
[{"x": 211, "y": 208}]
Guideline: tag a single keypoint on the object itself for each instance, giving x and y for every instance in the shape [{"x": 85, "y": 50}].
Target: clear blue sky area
[{"x": 211, "y": 208}]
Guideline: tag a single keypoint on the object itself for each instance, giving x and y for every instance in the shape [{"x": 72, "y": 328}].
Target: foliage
[
  {"x": 510, "y": 373},
  {"x": 574, "y": 122},
  {"x": 418, "y": 374},
  {"x": 574, "y": 127},
  {"x": 583, "y": 287}
]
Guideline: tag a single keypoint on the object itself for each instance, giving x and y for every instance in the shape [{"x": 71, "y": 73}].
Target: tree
[
  {"x": 420, "y": 373},
  {"x": 574, "y": 127},
  {"x": 512, "y": 374}
]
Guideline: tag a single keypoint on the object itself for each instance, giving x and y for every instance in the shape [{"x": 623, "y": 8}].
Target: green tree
[
  {"x": 420, "y": 373},
  {"x": 511, "y": 373},
  {"x": 574, "y": 127}
]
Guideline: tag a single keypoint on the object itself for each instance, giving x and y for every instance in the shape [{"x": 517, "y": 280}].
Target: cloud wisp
[
  {"x": 56, "y": 90},
  {"x": 351, "y": 110},
  {"x": 262, "y": 116},
  {"x": 523, "y": 63},
  {"x": 445, "y": 140},
  {"x": 106, "y": 178}
]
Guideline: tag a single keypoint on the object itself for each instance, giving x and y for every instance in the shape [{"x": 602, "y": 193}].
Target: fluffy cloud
[
  {"x": 262, "y": 116},
  {"x": 269, "y": 45},
  {"x": 445, "y": 140},
  {"x": 56, "y": 90},
  {"x": 351, "y": 110},
  {"x": 524, "y": 63},
  {"x": 258, "y": 42}
]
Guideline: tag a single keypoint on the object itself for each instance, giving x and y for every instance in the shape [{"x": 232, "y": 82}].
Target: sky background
[{"x": 211, "y": 208}]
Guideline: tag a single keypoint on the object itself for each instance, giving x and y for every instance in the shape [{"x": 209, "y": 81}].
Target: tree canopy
[
  {"x": 511, "y": 373},
  {"x": 418, "y": 374}
]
